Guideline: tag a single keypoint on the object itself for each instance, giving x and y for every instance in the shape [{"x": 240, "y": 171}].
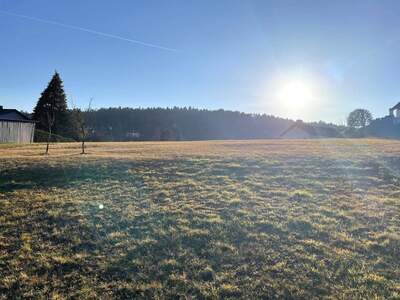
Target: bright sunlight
[{"x": 296, "y": 94}]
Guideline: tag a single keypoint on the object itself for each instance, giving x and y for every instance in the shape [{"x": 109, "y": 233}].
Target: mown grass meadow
[{"x": 204, "y": 220}]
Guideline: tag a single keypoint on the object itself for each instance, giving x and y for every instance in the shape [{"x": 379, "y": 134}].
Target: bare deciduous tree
[
  {"x": 81, "y": 124},
  {"x": 51, "y": 118},
  {"x": 359, "y": 118}
]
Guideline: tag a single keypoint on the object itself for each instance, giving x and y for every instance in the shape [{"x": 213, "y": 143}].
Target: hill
[{"x": 124, "y": 124}]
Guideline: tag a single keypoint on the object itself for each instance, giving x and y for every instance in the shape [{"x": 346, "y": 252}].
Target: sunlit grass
[{"x": 255, "y": 219}]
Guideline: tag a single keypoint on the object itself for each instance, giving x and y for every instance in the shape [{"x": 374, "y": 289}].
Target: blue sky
[{"x": 236, "y": 55}]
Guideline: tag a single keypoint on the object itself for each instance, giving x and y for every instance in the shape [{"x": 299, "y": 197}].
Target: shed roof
[
  {"x": 312, "y": 130},
  {"x": 300, "y": 125},
  {"x": 13, "y": 115}
]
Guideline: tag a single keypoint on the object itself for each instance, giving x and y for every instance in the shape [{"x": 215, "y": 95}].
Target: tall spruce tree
[{"x": 53, "y": 102}]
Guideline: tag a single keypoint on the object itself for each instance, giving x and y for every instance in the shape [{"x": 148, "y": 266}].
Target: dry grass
[{"x": 247, "y": 219}]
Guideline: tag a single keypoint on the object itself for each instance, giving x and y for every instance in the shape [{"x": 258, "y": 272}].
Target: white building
[{"x": 394, "y": 112}]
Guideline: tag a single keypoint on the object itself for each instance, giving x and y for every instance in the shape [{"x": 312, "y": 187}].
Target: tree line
[
  {"x": 124, "y": 124},
  {"x": 55, "y": 121},
  {"x": 54, "y": 118}
]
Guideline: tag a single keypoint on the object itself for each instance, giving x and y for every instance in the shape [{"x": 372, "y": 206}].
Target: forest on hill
[
  {"x": 123, "y": 124},
  {"x": 120, "y": 124}
]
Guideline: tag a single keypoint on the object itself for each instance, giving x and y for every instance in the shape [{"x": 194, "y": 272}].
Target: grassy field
[{"x": 206, "y": 220}]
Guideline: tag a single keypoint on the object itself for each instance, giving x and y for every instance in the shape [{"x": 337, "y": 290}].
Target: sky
[{"x": 311, "y": 60}]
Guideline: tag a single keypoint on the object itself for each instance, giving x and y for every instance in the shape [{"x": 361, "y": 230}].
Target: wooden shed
[{"x": 15, "y": 127}]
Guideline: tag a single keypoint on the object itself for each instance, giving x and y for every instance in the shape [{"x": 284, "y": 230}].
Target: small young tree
[
  {"x": 50, "y": 120},
  {"x": 359, "y": 118},
  {"x": 81, "y": 124}
]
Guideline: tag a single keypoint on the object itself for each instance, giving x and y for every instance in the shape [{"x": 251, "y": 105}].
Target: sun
[{"x": 296, "y": 94}]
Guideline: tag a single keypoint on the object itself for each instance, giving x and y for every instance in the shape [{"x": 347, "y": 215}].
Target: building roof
[
  {"x": 306, "y": 128},
  {"x": 397, "y": 106},
  {"x": 313, "y": 131},
  {"x": 13, "y": 115}
]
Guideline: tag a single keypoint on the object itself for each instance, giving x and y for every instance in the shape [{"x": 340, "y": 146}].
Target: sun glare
[{"x": 296, "y": 94}]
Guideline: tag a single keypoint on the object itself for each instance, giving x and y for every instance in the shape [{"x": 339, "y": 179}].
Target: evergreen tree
[{"x": 53, "y": 101}]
